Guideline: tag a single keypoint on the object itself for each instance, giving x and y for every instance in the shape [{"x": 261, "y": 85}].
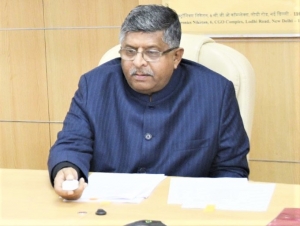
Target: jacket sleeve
[
  {"x": 75, "y": 141},
  {"x": 231, "y": 160}
]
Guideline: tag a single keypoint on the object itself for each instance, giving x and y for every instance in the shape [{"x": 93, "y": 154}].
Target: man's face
[{"x": 149, "y": 77}]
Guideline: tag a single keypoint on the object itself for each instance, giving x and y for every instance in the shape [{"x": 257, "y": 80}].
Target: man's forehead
[{"x": 144, "y": 38}]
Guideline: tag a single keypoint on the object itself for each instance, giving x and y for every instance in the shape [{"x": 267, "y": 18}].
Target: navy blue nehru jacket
[{"x": 190, "y": 128}]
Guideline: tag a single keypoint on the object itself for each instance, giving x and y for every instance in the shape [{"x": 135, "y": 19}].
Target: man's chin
[{"x": 142, "y": 90}]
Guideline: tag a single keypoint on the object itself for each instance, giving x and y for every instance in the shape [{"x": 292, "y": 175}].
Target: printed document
[
  {"x": 234, "y": 194},
  {"x": 119, "y": 187}
]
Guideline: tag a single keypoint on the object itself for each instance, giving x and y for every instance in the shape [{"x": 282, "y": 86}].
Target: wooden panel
[
  {"x": 86, "y": 13},
  {"x": 276, "y": 125},
  {"x": 24, "y": 145},
  {"x": 275, "y": 172},
  {"x": 54, "y": 129},
  {"x": 70, "y": 53},
  {"x": 21, "y": 14},
  {"x": 23, "y": 76}
]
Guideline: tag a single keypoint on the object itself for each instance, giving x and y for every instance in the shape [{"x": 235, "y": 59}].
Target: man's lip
[{"x": 141, "y": 75}]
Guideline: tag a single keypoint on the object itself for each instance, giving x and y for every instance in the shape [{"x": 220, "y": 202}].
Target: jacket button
[{"x": 148, "y": 136}]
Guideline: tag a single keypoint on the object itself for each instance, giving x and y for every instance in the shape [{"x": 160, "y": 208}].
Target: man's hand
[{"x": 68, "y": 174}]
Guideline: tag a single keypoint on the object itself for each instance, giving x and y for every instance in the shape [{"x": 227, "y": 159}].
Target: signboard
[{"x": 239, "y": 18}]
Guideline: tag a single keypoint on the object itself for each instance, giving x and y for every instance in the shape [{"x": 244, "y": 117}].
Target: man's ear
[{"x": 178, "y": 56}]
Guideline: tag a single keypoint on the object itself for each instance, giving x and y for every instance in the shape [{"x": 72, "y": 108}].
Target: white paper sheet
[
  {"x": 235, "y": 194},
  {"x": 120, "y": 187}
]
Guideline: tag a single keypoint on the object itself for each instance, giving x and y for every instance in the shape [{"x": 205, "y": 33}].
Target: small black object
[
  {"x": 100, "y": 212},
  {"x": 146, "y": 223}
]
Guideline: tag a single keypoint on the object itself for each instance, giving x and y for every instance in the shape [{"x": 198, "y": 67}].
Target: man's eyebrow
[
  {"x": 129, "y": 46},
  {"x": 134, "y": 47}
]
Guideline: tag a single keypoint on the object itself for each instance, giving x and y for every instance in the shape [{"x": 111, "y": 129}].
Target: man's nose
[{"x": 139, "y": 60}]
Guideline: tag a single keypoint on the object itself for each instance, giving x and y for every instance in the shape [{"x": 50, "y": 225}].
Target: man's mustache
[{"x": 144, "y": 71}]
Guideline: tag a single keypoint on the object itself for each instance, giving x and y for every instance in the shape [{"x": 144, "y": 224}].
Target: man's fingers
[
  {"x": 82, "y": 183},
  {"x": 69, "y": 173},
  {"x": 76, "y": 194},
  {"x": 62, "y": 175}
]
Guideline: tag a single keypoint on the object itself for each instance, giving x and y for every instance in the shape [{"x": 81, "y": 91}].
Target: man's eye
[
  {"x": 130, "y": 52},
  {"x": 152, "y": 53}
]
